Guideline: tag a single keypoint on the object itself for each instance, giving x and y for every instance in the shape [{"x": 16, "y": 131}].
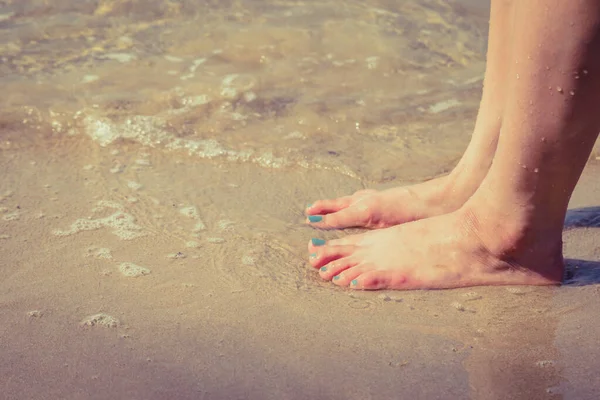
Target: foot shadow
[
  {"x": 582, "y": 272},
  {"x": 587, "y": 217}
]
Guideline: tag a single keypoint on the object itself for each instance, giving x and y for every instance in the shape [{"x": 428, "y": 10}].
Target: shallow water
[{"x": 157, "y": 158}]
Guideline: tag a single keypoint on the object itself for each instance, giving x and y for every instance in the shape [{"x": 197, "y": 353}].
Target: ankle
[{"x": 516, "y": 235}]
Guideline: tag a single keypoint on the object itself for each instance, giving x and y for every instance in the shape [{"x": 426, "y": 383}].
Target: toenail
[
  {"x": 315, "y": 218},
  {"x": 309, "y": 205},
  {"x": 317, "y": 242},
  {"x": 335, "y": 278},
  {"x": 313, "y": 255},
  {"x": 323, "y": 269},
  {"x": 354, "y": 282}
]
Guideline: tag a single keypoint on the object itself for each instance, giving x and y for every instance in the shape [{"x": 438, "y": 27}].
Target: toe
[
  {"x": 334, "y": 268},
  {"x": 346, "y": 276},
  {"x": 326, "y": 254},
  {"x": 321, "y": 207},
  {"x": 376, "y": 280},
  {"x": 316, "y": 244},
  {"x": 348, "y": 217}
]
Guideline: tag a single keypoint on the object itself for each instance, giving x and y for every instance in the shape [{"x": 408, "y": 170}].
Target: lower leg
[
  {"x": 509, "y": 232},
  {"x": 374, "y": 209},
  {"x": 550, "y": 125}
]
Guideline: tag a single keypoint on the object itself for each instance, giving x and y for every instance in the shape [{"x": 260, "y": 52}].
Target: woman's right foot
[{"x": 374, "y": 209}]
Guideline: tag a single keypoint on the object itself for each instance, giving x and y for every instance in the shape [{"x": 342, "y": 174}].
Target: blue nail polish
[
  {"x": 354, "y": 282},
  {"x": 313, "y": 255},
  {"x": 315, "y": 218},
  {"x": 317, "y": 242},
  {"x": 309, "y": 205},
  {"x": 335, "y": 278},
  {"x": 323, "y": 269}
]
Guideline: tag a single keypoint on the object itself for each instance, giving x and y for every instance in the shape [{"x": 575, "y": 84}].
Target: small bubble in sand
[
  {"x": 101, "y": 319},
  {"x": 99, "y": 253},
  {"x": 142, "y": 161},
  {"x": 114, "y": 152},
  {"x": 35, "y": 314},
  {"x": 173, "y": 58},
  {"x": 225, "y": 224},
  {"x": 372, "y": 62},
  {"x": 88, "y": 167},
  {"x": 189, "y": 211},
  {"x": 215, "y": 240},
  {"x": 458, "y": 306},
  {"x": 4, "y": 237},
  {"x": 384, "y": 297},
  {"x": 176, "y": 256},
  {"x": 132, "y": 199},
  {"x": 248, "y": 260},
  {"x": 132, "y": 270},
  {"x": 192, "y": 244},
  {"x": 89, "y": 78},
  {"x": 118, "y": 167},
  {"x": 545, "y": 363},
  {"x": 134, "y": 185},
  {"x": 249, "y": 97}
]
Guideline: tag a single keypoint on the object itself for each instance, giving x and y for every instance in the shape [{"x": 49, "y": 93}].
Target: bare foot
[
  {"x": 452, "y": 250},
  {"x": 381, "y": 209}
]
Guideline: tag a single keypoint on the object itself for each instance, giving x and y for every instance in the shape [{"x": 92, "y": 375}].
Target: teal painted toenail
[
  {"x": 317, "y": 242},
  {"x": 354, "y": 282},
  {"x": 313, "y": 255},
  {"x": 315, "y": 218},
  {"x": 335, "y": 278},
  {"x": 323, "y": 269},
  {"x": 309, "y": 205}
]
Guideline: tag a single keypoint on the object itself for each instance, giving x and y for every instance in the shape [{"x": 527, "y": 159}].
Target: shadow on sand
[{"x": 582, "y": 272}]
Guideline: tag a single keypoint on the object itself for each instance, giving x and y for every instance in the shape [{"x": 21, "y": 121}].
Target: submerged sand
[
  {"x": 151, "y": 207},
  {"x": 193, "y": 283}
]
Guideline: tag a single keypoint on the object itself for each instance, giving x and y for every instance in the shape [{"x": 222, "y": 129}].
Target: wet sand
[{"x": 151, "y": 226}]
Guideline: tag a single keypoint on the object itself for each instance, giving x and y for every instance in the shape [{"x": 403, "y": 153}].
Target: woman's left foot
[{"x": 462, "y": 248}]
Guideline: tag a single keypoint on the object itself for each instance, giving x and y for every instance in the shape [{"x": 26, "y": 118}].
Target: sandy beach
[{"x": 156, "y": 160}]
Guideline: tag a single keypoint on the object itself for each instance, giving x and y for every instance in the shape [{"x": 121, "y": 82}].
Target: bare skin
[
  {"x": 510, "y": 230},
  {"x": 381, "y": 209}
]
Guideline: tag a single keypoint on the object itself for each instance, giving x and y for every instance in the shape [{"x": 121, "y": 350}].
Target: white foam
[
  {"x": 101, "y": 319},
  {"x": 248, "y": 260},
  {"x": 121, "y": 224},
  {"x": 134, "y": 185},
  {"x": 173, "y": 58},
  {"x": 189, "y": 211},
  {"x": 133, "y": 270},
  {"x": 13, "y": 216},
  {"x": 225, "y": 224},
  {"x": 99, "y": 253},
  {"x": 35, "y": 314},
  {"x": 89, "y": 78},
  {"x": 120, "y": 57},
  {"x": 199, "y": 226}
]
